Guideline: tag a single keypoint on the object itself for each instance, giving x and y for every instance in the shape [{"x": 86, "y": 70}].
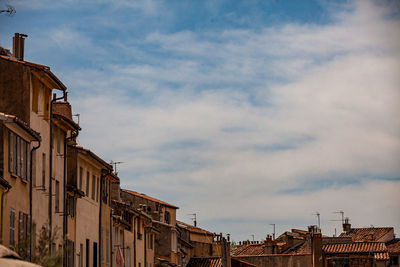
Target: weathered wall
[
  {"x": 14, "y": 89},
  {"x": 281, "y": 260}
]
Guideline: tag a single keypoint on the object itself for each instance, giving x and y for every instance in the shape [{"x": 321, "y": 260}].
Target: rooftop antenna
[
  {"x": 194, "y": 219},
  {"x": 341, "y": 212},
  {"x": 77, "y": 115},
  {"x": 319, "y": 221},
  {"x": 10, "y": 11},
  {"x": 273, "y": 235},
  {"x": 252, "y": 237},
  {"x": 115, "y": 163}
]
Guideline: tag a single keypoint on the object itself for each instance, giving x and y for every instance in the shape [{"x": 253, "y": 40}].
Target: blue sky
[{"x": 245, "y": 112}]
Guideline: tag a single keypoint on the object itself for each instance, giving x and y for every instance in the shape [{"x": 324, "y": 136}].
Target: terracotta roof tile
[
  {"x": 394, "y": 246},
  {"x": 148, "y": 198},
  {"x": 368, "y": 234},
  {"x": 194, "y": 229},
  {"x": 250, "y": 249},
  {"x": 355, "y": 247},
  {"x": 381, "y": 256},
  {"x": 205, "y": 262}
]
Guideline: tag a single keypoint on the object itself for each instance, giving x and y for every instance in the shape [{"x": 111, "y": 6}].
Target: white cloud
[{"x": 222, "y": 123}]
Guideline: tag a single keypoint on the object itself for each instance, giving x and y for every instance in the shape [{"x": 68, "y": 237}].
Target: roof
[
  {"x": 44, "y": 68},
  {"x": 136, "y": 194},
  {"x": 194, "y": 229},
  {"x": 355, "y": 247},
  {"x": 205, "y": 262},
  {"x": 250, "y": 249},
  {"x": 394, "y": 246},
  {"x": 368, "y": 233},
  {"x": 93, "y": 155},
  {"x": 20, "y": 123}
]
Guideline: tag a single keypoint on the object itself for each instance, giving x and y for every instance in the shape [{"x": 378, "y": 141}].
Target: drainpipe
[
  {"x": 51, "y": 168},
  {"x": 2, "y": 210},
  {"x": 134, "y": 240},
  {"x": 104, "y": 172},
  {"x": 111, "y": 242},
  {"x": 30, "y": 198},
  {"x": 145, "y": 247},
  {"x": 74, "y": 134}
]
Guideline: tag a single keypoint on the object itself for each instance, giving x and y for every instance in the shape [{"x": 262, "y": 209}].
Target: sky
[{"x": 247, "y": 113}]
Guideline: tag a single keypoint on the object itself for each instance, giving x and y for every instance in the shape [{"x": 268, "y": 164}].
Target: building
[
  {"x": 90, "y": 187},
  {"x": 163, "y": 217},
  {"x": 26, "y": 90},
  {"x": 17, "y": 140}
]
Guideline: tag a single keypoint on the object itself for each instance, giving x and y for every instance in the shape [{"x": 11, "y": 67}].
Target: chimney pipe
[{"x": 19, "y": 45}]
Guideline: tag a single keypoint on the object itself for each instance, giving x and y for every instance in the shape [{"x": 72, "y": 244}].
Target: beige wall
[{"x": 87, "y": 209}]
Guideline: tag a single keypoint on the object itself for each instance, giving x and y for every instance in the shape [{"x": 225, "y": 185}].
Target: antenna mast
[{"x": 194, "y": 219}]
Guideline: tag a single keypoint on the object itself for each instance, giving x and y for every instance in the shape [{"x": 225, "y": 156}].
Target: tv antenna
[
  {"x": 194, "y": 219},
  {"x": 10, "y": 11},
  {"x": 252, "y": 237},
  {"x": 318, "y": 217},
  {"x": 341, "y": 212},
  {"x": 115, "y": 163},
  {"x": 273, "y": 235}
]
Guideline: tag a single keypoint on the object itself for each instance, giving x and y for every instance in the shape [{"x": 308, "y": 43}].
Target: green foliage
[{"x": 41, "y": 253}]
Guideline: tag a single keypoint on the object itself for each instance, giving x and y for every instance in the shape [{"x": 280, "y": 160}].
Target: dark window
[
  {"x": 44, "y": 170},
  {"x": 23, "y": 230},
  {"x": 93, "y": 187},
  {"x": 70, "y": 205},
  {"x": 80, "y": 177},
  {"x": 87, "y": 183},
  {"x": 87, "y": 252},
  {"x": 94, "y": 254},
  {"x": 57, "y": 198},
  {"x": 12, "y": 228},
  {"x": 70, "y": 253}
]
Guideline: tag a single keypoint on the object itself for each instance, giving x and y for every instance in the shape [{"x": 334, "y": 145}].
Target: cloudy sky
[{"x": 245, "y": 112}]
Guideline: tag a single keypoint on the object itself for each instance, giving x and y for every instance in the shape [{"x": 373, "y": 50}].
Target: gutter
[
  {"x": 31, "y": 197},
  {"x": 51, "y": 167},
  {"x": 74, "y": 134}
]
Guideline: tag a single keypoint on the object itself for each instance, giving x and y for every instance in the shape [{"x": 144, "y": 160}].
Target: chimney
[
  {"x": 226, "y": 253},
  {"x": 18, "y": 45},
  {"x": 316, "y": 248},
  {"x": 346, "y": 225}
]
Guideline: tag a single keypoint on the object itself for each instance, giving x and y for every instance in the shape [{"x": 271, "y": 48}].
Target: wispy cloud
[{"x": 246, "y": 126}]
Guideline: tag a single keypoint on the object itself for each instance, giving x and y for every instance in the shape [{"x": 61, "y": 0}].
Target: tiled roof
[
  {"x": 251, "y": 249},
  {"x": 136, "y": 194},
  {"x": 93, "y": 155},
  {"x": 355, "y": 247},
  {"x": 394, "y": 246},
  {"x": 368, "y": 234},
  {"x": 205, "y": 262},
  {"x": 381, "y": 256},
  {"x": 194, "y": 229},
  {"x": 20, "y": 123}
]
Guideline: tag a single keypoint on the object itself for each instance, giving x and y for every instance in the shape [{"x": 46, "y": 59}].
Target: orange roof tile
[
  {"x": 381, "y": 256},
  {"x": 355, "y": 247},
  {"x": 368, "y": 233},
  {"x": 136, "y": 194},
  {"x": 93, "y": 155},
  {"x": 394, "y": 246},
  {"x": 250, "y": 249},
  {"x": 205, "y": 262}
]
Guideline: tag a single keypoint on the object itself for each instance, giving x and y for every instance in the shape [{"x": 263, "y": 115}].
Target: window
[
  {"x": 139, "y": 234},
  {"x": 87, "y": 252},
  {"x": 70, "y": 205},
  {"x": 81, "y": 255},
  {"x": 107, "y": 245},
  {"x": 167, "y": 217},
  {"x": 97, "y": 189},
  {"x": 57, "y": 199},
  {"x": 174, "y": 242},
  {"x": 87, "y": 183},
  {"x": 70, "y": 253},
  {"x": 12, "y": 228},
  {"x": 23, "y": 230},
  {"x": 152, "y": 241},
  {"x": 101, "y": 247},
  {"x": 80, "y": 177},
  {"x": 93, "y": 187},
  {"x": 44, "y": 170},
  {"x": 19, "y": 156}
]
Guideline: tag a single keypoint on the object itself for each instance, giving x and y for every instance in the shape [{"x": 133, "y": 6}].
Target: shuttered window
[{"x": 18, "y": 156}]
